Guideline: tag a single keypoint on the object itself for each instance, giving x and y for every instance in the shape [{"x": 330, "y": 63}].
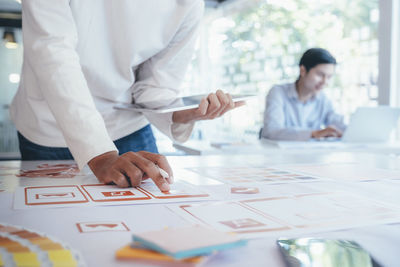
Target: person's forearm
[{"x": 50, "y": 40}]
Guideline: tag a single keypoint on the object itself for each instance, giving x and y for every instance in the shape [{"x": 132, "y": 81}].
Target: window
[
  {"x": 11, "y": 62},
  {"x": 248, "y": 46}
]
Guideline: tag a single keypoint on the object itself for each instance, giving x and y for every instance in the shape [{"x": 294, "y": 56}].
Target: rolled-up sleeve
[
  {"x": 274, "y": 119},
  {"x": 50, "y": 40},
  {"x": 161, "y": 76}
]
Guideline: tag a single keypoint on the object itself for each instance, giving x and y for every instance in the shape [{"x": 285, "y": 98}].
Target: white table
[
  {"x": 98, "y": 248},
  {"x": 265, "y": 146}
]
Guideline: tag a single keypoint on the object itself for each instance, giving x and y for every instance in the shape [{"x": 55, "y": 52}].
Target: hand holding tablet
[
  {"x": 210, "y": 107},
  {"x": 176, "y": 104}
]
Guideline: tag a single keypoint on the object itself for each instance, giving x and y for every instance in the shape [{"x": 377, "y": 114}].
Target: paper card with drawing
[
  {"x": 344, "y": 171},
  {"x": 54, "y": 195},
  {"x": 179, "y": 189},
  {"x": 113, "y": 226},
  {"x": 101, "y": 194},
  {"x": 253, "y": 175},
  {"x": 109, "y": 193},
  {"x": 292, "y": 214}
]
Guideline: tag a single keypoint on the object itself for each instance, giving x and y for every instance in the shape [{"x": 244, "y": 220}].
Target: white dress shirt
[
  {"x": 288, "y": 118},
  {"x": 83, "y": 57}
]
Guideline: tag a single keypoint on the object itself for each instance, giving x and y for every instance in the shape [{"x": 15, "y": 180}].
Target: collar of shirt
[{"x": 293, "y": 94}]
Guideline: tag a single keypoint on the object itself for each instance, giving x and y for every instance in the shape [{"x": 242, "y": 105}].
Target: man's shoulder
[{"x": 282, "y": 89}]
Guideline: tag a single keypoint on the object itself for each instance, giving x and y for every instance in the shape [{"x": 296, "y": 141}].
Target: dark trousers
[{"x": 140, "y": 140}]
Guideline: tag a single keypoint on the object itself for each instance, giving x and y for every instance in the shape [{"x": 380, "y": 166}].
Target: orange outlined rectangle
[
  {"x": 89, "y": 227},
  {"x": 247, "y": 220},
  {"x": 68, "y": 189},
  {"x": 170, "y": 194},
  {"x": 324, "y": 216},
  {"x": 108, "y": 195}
]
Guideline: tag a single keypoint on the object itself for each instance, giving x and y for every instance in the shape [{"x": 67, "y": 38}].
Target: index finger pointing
[{"x": 161, "y": 162}]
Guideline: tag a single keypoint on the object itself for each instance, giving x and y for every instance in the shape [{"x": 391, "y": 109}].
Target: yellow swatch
[
  {"x": 62, "y": 258},
  {"x": 26, "y": 259}
]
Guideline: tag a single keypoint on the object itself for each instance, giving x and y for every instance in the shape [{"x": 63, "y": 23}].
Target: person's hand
[
  {"x": 330, "y": 131},
  {"x": 214, "y": 106},
  {"x": 131, "y": 168}
]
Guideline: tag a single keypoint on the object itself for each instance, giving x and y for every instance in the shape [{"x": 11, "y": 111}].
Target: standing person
[
  {"x": 299, "y": 111},
  {"x": 83, "y": 57}
]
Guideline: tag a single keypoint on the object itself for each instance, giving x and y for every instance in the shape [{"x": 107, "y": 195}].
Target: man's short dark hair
[{"x": 314, "y": 56}]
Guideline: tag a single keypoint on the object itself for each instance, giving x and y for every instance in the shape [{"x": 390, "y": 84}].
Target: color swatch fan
[{"x": 23, "y": 247}]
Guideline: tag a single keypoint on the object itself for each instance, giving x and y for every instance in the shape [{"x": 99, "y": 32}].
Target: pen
[
  {"x": 166, "y": 176},
  {"x": 163, "y": 173},
  {"x": 167, "y": 180}
]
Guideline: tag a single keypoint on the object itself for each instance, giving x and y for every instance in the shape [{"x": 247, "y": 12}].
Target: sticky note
[
  {"x": 26, "y": 259},
  {"x": 189, "y": 241},
  {"x": 129, "y": 252}
]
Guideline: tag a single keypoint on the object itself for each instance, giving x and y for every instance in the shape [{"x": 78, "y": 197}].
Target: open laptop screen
[{"x": 371, "y": 124}]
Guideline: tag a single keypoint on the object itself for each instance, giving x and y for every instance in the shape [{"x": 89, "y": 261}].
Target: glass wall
[{"x": 248, "y": 46}]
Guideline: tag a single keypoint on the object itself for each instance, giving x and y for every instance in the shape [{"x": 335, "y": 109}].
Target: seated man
[{"x": 300, "y": 111}]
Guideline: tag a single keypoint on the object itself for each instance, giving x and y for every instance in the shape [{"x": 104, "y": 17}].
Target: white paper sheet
[
  {"x": 233, "y": 192},
  {"x": 239, "y": 176},
  {"x": 297, "y": 214},
  {"x": 344, "y": 171}
]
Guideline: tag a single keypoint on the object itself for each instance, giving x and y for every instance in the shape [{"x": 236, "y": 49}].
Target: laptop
[
  {"x": 368, "y": 125},
  {"x": 371, "y": 125}
]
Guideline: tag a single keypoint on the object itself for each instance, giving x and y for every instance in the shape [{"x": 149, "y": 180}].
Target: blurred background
[{"x": 247, "y": 46}]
